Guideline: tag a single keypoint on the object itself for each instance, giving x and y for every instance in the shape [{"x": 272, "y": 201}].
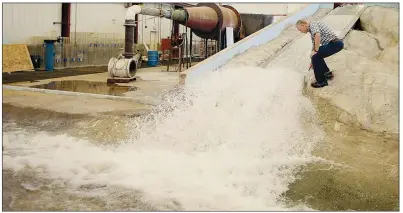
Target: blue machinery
[{"x": 50, "y": 54}]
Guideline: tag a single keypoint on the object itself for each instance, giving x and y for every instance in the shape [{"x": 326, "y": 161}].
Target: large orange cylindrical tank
[
  {"x": 201, "y": 18},
  {"x": 208, "y": 19},
  {"x": 230, "y": 18}
]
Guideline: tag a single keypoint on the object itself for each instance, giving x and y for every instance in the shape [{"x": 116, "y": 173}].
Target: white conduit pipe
[{"x": 59, "y": 92}]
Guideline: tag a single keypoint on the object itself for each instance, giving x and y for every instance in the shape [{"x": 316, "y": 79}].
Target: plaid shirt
[{"x": 326, "y": 34}]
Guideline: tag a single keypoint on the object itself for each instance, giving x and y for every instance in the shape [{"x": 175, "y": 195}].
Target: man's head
[{"x": 302, "y": 26}]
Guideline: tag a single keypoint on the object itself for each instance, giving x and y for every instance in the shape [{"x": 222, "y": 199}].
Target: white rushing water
[{"x": 233, "y": 141}]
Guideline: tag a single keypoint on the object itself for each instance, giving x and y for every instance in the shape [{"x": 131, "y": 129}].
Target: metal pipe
[
  {"x": 66, "y": 12},
  {"x": 136, "y": 29},
  {"x": 180, "y": 57},
  {"x": 129, "y": 38},
  {"x": 186, "y": 49},
  {"x": 75, "y": 25},
  {"x": 205, "y": 48},
  {"x": 219, "y": 41},
  {"x": 142, "y": 29},
  {"x": 123, "y": 67},
  {"x": 205, "y": 19},
  {"x": 136, "y": 9},
  {"x": 159, "y": 26}
]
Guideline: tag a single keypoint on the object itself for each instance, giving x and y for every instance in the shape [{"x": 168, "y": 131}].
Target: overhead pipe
[
  {"x": 130, "y": 26},
  {"x": 136, "y": 28},
  {"x": 65, "y": 24},
  {"x": 206, "y": 20},
  {"x": 125, "y": 65},
  {"x": 137, "y": 9}
]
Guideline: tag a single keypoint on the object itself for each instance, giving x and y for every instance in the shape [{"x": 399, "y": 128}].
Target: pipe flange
[
  {"x": 130, "y": 23},
  {"x": 237, "y": 31}
]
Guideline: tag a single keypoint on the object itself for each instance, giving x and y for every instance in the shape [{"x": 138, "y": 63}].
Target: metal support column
[
  {"x": 186, "y": 49},
  {"x": 219, "y": 41},
  {"x": 190, "y": 46},
  {"x": 205, "y": 48},
  {"x": 180, "y": 58}
]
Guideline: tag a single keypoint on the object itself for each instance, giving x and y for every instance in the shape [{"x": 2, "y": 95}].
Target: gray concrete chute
[{"x": 262, "y": 55}]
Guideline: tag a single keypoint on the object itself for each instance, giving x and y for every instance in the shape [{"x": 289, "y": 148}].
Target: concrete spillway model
[{"x": 242, "y": 138}]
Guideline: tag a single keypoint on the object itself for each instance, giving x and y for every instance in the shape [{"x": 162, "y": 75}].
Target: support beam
[
  {"x": 190, "y": 46},
  {"x": 229, "y": 36}
]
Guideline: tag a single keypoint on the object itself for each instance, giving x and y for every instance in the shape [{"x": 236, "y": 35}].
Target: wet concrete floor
[
  {"x": 35, "y": 76},
  {"x": 87, "y": 87},
  {"x": 148, "y": 89}
]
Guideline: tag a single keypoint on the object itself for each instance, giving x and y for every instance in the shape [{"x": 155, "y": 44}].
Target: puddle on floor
[{"x": 87, "y": 87}]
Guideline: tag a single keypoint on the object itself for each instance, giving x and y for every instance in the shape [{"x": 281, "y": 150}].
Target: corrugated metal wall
[
  {"x": 96, "y": 29},
  {"x": 21, "y": 21},
  {"x": 97, "y": 18}
]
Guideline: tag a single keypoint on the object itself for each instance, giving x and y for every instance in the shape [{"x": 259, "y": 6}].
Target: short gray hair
[{"x": 301, "y": 21}]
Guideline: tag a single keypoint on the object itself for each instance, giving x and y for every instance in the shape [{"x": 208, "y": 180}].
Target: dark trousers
[{"x": 318, "y": 60}]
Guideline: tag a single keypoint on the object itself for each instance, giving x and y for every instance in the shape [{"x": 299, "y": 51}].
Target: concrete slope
[
  {"x": 365, "y": 90},
  {"x": 275, "y": 39},
  {"x": 261, "y": 37},
  {"x": 262, "y": 54},
  {"x": 340, "y": 20},
  {"x": 364, "y": 93}
]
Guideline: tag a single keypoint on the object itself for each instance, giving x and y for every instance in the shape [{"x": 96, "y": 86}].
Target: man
[{"x": 325, "y": 43}]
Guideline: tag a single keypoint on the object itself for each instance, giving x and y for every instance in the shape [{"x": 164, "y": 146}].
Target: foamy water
[{"x": 232, "y": 141}]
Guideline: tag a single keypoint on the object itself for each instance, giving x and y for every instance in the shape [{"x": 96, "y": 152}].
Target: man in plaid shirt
[{"x": 324, "y": 44}]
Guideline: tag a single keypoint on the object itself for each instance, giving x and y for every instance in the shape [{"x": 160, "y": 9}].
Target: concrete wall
[
  {"x": 97, "y": 18},
  {"x": 263, "y": 36},
  {"x": 22, "y": 21},
  {"x": 91, "y": 18}
]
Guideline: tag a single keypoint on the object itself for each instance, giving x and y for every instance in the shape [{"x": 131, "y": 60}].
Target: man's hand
[
  {"x": 313, "y": 53},
  {"x": 310, "y": 66}
]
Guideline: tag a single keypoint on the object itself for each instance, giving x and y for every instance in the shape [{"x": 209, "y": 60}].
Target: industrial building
[
  {"x": 199, "y": 107},
  {"x": 94, "y": 33}
]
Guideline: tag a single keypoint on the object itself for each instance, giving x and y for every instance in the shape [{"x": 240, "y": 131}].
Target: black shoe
[
  {"x": 319, "y": 84},
  {"x": 329, "y": 76}
]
